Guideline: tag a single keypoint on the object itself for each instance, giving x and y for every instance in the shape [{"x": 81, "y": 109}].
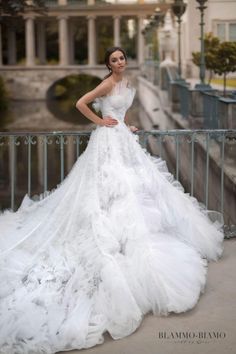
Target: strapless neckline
[{"x": 116, "y": 103}]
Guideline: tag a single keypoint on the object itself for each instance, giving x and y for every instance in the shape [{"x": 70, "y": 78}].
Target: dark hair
[{"x": 108, "y": 53}]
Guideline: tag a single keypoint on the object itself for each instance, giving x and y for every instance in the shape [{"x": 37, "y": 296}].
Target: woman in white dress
[{"x": 118, "y": 238}]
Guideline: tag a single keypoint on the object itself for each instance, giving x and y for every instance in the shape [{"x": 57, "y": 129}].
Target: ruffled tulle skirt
[{"x": 117, "y": 239}]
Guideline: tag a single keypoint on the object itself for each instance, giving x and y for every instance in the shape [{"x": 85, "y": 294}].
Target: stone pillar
[
  {"x": 62, "y": 2},
  {"x": 63, "y": 40},
  {"x": 30, "y": 41},
  {"x": 41, "y": 48},
  {"x": 90, "y": 2},
  {"x": 71, "y": 42},
  {"x": 11, "y": 45},
  {"x": 91, "y": 40},
  {"x": 1, "y": 45},
  {"x": 116, "y": 24},
  {"x": 141, "y": 44}
]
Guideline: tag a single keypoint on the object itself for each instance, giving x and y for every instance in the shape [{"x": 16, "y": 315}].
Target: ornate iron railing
[{"x": 204, "y": 161}]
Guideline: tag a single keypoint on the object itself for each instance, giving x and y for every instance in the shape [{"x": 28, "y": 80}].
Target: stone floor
[{"x": 214, "y": 313}]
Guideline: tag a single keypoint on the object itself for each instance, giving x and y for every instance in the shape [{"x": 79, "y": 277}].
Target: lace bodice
[{"x": 117, "y": 102}]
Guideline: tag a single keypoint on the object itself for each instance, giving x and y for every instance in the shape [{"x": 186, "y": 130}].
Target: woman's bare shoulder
[
  {"x": 105, "y": 86},
  {"x": 102, "y": 89}
]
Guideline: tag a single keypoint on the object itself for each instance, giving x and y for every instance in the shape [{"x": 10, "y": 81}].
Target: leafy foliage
[
  {"x": 14, "y": 7},
  {"x": 225, "y": 60},
  {"x": 211, "y": 45},
  {"x": 220, "y": 57}
]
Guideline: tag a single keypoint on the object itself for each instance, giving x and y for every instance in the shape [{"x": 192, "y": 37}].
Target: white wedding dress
[{"x": 118, "y": 238}]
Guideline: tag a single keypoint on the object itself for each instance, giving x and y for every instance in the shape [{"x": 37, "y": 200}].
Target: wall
[{"x": 33, "y": 83}]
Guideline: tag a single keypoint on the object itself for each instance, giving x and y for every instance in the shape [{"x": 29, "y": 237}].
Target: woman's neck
[{"x": 117, "y": 78}]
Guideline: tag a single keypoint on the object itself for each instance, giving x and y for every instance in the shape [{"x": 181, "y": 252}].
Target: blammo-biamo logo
[{"x": 192, "y": 335}]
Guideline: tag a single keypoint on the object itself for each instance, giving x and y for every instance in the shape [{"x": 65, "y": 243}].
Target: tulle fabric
[{"x": 118, "y": 238}]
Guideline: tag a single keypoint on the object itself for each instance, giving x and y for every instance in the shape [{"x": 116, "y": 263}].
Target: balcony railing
[
  {"x": 208, "y": 106},
  {"x": 204, "y": 161}
]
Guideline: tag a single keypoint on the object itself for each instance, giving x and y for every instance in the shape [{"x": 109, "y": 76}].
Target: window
[
  {"x": 221, "y": 31},
  {"x": 225, "y": 30},
  {"x": 232, "y": 32}
]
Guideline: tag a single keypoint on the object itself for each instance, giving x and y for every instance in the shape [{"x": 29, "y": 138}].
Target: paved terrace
[{"x": 215, "y": 311}]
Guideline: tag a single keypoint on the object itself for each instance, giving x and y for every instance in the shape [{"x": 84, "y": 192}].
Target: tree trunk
[
  {"x": 224, "y": 85},
  {"x": 210, "y": 77}
]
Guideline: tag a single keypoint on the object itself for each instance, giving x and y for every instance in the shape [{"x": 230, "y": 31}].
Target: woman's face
[{"x": 117, "y": 62}]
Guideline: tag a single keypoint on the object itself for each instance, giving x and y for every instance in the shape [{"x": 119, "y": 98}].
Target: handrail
[{"x": 209, "y": 145}]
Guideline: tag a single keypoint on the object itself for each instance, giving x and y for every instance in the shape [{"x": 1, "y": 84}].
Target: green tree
[
  {"x": 225, "y": 60},
  {"x": 14, "y": 7},
  {"x": 211, "y": 45}
]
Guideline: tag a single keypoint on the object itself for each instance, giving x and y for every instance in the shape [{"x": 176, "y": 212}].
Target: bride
[{"x": 118, "y": 238}]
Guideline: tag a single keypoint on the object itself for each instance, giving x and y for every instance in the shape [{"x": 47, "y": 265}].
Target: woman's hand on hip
[{"x": 108, "y": 122}]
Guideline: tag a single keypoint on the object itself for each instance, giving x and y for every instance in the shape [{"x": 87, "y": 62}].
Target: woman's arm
[{"x": 82, "y": 104}]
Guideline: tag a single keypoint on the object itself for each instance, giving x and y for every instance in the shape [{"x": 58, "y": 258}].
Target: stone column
[
  {"x": 41, "y": 48},
  {"x": 1, "y": 45},
  {"x": 71, "y": 42},
  {"x": 90, "y": 2},
  {"x": 11, "y": 45},
  {"x": 116, "y": 24},
  {"x": 63, "y": 40},
  {"x": 91, "y": 40},
  {"x": 30, "y": 41},
  {"x": 141, "y": 43}
]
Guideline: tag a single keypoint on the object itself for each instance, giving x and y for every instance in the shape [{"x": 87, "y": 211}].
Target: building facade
[
  {"x": 69, "y": 21},
  {"x": 220, "y": 19},
  {"x": 79, "y": 30}
]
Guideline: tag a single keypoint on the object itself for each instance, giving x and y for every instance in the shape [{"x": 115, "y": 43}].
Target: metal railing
[
  {"x": 196, "y": 155},
  {"x": 210, "y": 110},
  {"x": 69, "y": 2},
  {"x": 215, "y": 110},
  {"x": 184, "y": 99}
]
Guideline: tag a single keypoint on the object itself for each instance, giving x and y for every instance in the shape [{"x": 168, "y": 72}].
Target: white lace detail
[
  {"x": 120, "y": 87},
  {"x": 122, "y": 93}
]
